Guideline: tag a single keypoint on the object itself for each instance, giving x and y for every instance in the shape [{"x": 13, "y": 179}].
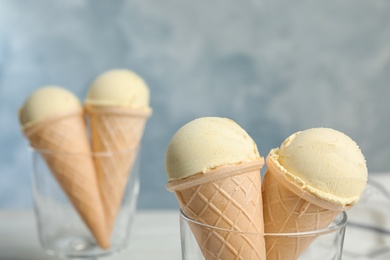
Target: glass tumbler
[
  {"x": 327, "y": 244},
  {"x": 62, "y": 232}
]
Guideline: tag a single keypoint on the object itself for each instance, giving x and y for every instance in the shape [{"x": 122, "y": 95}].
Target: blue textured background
[{"x": 275, "y": 67}]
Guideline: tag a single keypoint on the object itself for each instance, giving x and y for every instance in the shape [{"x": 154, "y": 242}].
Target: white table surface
[{"x": 156, "y": 234}]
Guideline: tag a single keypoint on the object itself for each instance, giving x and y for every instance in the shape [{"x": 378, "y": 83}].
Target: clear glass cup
[
  {"x": 368, "y": 236},
  {"x": 327, "y": 243},
  {"x": 61, "y": 230}
]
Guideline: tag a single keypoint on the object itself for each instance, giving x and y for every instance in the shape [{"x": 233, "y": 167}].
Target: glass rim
[
  {"x": 331, "y": 228},
  {"x": 135, "y": 149}
]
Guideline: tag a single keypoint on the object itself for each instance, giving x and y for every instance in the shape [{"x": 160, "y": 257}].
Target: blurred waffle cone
[
  {"x": 64, "y": 145},
  {"x": 289, "y": 209},
  {"x": 227, "y": 197},
  {"x": 118, "y": 130}
]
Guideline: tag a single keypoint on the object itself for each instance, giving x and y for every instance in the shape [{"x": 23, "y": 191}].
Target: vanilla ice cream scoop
[
  {"x": 120, "y": 87},
  {"x": 47, "y": 102},
  {"x": 325, "y": 162},
  {"x": 206, "y": 143}
]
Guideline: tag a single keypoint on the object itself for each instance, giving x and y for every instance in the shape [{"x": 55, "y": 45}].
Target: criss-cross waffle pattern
[
  {"x": 69, "y": 160},
  {"x": 114, "y": 132},
  {"x": 285, "y": 212},
  {"x": 231, "y": 203}
]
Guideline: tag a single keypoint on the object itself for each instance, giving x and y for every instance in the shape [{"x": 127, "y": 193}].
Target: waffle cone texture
[
  {"x": 61, "y": 136},
  {"x": 229, "y": 198},
  {"x": 288, "y": 209},
  {"x": 119, "y": 130}
]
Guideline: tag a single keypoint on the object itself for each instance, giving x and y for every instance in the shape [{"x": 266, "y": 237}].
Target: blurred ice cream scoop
[
  {"x": 46, "y": 102},
  {"x": 119, "y": 88}
]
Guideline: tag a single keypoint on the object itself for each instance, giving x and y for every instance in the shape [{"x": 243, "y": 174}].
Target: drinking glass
[
  {"x": 327, "y": 244},
  {"x": 368, "y": 236},
  {"x": 61, "y": 230}
]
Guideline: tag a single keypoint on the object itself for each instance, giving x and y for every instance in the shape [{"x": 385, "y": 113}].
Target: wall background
[{"x": 275, "y": 67}]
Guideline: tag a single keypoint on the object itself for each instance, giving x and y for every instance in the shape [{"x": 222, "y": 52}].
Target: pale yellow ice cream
[
  {"x": 119, "y": 87},
  {"x": 47, "y": 102},
  {"x": 325, "y": 162},
  {"x": 206, "y": 143}
]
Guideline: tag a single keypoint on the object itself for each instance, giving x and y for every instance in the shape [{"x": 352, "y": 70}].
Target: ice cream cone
[
  {"x": 288, "y": 208},
  {"x": 226, "y": 197},
  {"x": 59, "y": 138},
  {"x": 118, "y": 130}
]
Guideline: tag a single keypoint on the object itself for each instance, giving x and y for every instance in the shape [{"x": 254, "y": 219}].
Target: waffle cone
[
  {"x": 112, "y": 130},
  {"x": 57, "y": 138},
  {"x": 228, "y": 197},
  {"x": 288, "y": 209}
]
